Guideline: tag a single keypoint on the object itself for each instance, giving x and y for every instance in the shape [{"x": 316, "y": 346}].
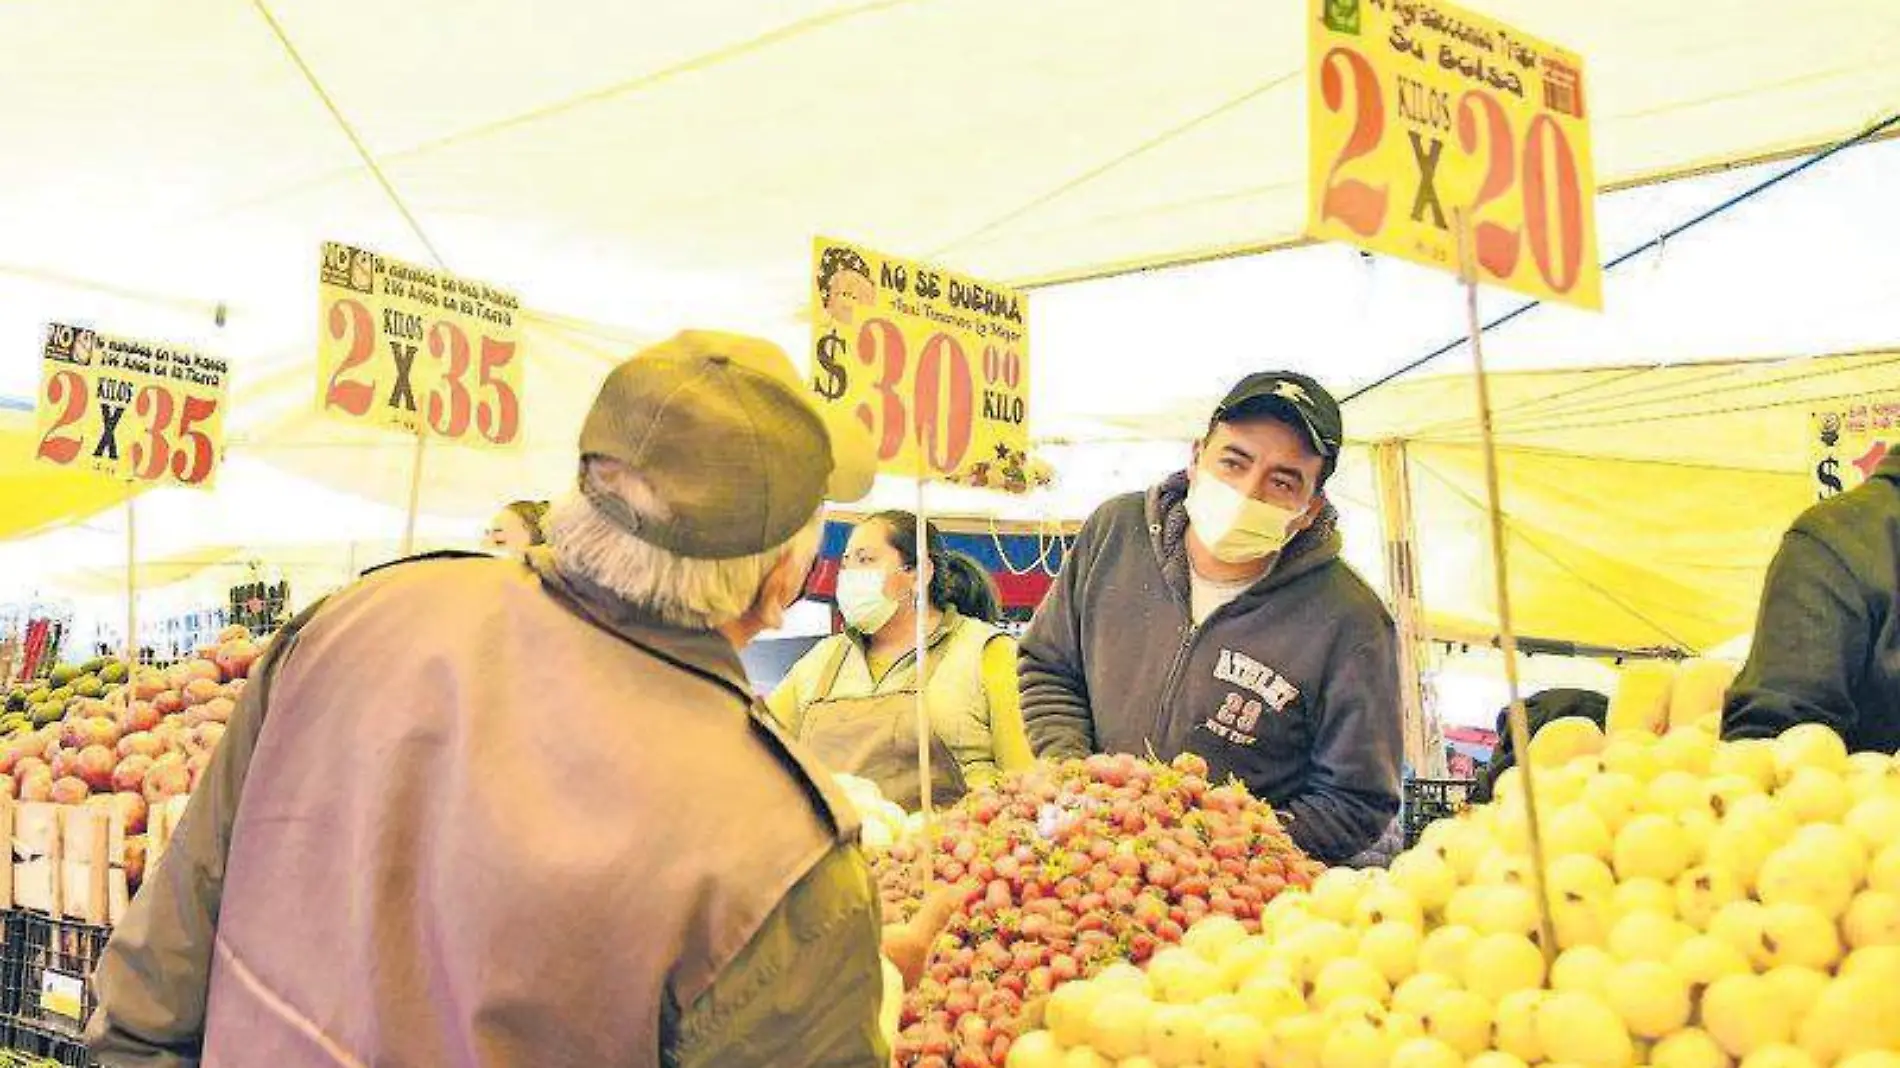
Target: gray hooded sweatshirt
[{"x": 1291, "y": 688}]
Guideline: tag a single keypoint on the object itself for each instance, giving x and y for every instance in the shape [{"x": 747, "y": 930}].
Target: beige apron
[{"x": 875, "y": 737}]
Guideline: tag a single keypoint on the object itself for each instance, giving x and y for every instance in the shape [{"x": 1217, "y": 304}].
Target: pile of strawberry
[{"x": 1074, "y": 866}]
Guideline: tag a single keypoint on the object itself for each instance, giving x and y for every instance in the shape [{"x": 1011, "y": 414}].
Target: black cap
[{"x": 1307, "y": 400}]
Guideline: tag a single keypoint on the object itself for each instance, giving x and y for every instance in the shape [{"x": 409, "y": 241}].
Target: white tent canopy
[{"x": 653, "y": 166}]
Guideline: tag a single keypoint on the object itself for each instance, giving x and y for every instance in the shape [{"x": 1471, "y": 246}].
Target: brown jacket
[{"x": 489, "y": 818}]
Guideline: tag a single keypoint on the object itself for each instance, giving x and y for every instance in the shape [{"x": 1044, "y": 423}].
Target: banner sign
[
  {"x": 417, "y": 349},
  {"x": 1419, "y": 109},
  {"x": 134, "y": 411},
  {"x": 934, "y": 363},
  {"x": 1849, "y": 441}
]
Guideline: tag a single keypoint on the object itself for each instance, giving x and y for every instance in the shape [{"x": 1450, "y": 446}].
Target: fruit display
[
  {"x": 1074, "y": 869},
  {"x": 1712, "y": 904},
  {"x": 92, "y": 735}
]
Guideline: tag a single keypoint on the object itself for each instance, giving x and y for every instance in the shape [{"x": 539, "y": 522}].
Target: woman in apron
[{"x": 852, "y": 698}]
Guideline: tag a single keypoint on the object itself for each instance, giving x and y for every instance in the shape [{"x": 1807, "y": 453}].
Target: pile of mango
[{"x": 37, "y": 702}]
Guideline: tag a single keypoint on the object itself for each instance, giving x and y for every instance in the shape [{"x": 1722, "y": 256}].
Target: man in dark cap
[
  {"x": 496, "y": 812},
  {"x": 1213, "y": 615}
]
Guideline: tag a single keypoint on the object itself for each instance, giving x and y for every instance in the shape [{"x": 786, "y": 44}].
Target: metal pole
[
  {"x": 1507, "y": 636},
  {"x": 415, "y": 495}
]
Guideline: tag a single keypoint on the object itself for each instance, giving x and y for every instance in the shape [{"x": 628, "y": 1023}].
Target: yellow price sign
[
  {"x": 934, "y": 363},
  {"x": 417, "y": 349},
  {"x": 135, "y": 411},
  {"x": 1421, "y": 113}
]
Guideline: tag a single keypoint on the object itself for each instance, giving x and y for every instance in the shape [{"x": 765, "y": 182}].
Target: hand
[{"x": 907, "y": 945}]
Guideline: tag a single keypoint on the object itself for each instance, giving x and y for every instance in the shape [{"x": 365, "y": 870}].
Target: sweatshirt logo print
[{"x": 1238, "y": 716}]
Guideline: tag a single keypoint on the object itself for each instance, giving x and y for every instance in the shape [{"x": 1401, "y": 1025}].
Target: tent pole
[
  {"x": 920, "y": 607},
  {"x": 415, "y": 495},
  {"x": 1507, "y": 637},
  {"x": 1423, "y": 749},
  {"x": 131, "y": 583}
]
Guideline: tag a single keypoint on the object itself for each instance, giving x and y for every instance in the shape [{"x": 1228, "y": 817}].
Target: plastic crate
[
  {"x": 28, "y": 1046},
  {"x": 48, "y": 971},
  {"x": 1429, "y": 800}
]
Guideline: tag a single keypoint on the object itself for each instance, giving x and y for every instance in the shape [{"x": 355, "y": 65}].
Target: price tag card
[
  {"x": 417, "y": 349},
  {"x": 1849, "y": 441},
  {"x": 935, "y": 363},
  {"x": 131, "y": 410},
  {"x": 1418, "y": 110},
  {"x": 62, "y": 995}
]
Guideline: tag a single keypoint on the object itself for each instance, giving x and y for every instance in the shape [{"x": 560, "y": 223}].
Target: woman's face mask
[
  {"x": 1236, "y": 528},
  {"x": 863, "y": 599}
]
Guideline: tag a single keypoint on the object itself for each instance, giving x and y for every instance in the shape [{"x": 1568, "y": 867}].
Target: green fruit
[
  {"x": 91, "y": 667},
  {"x": 63, "y": 674},
  {"x": 16, "y": 701},
  {"x": 113, "y": 673},
  {"x": 89, "y": 686},
  {"x": 47, "y": 712},
  {"x": 60, "y": 696}
]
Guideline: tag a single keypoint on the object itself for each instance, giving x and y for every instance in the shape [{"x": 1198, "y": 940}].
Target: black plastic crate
[
  {"x": 1430, "y": 800},
  {"x": 37, "y": 1047},
  {"x": 48, "y": 971}
]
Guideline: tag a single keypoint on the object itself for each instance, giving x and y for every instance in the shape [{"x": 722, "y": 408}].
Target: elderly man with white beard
[{"x": 481, "y": 812}]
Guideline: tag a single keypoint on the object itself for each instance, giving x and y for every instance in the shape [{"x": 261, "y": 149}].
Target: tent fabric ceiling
[
  {"x": 586, "y": 152},
  {"x": 1642, "y": 504}
]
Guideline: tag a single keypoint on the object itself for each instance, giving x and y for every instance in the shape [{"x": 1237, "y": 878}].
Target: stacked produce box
[{"x": 96, "y": 765}]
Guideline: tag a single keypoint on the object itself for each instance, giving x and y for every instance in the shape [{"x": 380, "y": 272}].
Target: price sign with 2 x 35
[
  {"x": 417, "y": 350},
  {"x": 133, "y": 411},
  {"x": 1422, "y": 113}
]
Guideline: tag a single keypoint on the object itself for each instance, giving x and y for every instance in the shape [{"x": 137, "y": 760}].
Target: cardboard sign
[
  {"x": 1849, "y": 441},
  {"x": 1419, "y": 110},
  {"x": 131, "y": 410},
  {"x": 417, "y": 349},
  {"x": 934, "y": 363}
]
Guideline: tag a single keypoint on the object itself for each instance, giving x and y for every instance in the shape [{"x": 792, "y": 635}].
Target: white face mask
[
  {"x": 862, "y": 600},
  {"x": 1236, "y": 528}
]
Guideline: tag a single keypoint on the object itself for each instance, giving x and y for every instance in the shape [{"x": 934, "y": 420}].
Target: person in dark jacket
[
  {"x": 1827, "y": 641},
  {"x": 1213, "y": 615}
]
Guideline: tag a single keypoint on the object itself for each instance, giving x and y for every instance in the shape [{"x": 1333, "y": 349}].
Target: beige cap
[{"x": 738, "y": 452}]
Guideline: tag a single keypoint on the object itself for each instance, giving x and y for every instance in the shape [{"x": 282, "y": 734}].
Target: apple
[
  {"x": 236, "y": 657},
  {"x": 131, "y": 809},
  {"x": 203, "y": 668},
  {"x": 36, "y": 785},
  {"x": 140, "y": 743},
  {"x": 70, "y": 790},
  {"x": 134, "y": 862},
  {"x": 139, "y": 716},
  {"x": 200, "y": 690},
  {"x": 168, "y": 777},
  {"x": 94, "y": 765},
  {"x": 178, "y": 675},
  {"x": 205, "y": 737},
  {"x": 219, "y": 709},
  {"x": 234, "y": 633},
  {"x": 169, "y": 702},
  {"x": 146, "y": 685},
  {"x": 196, "y": 764},
  {"x": 62, "y": 763},
  {"x": 130, "y": 774}
]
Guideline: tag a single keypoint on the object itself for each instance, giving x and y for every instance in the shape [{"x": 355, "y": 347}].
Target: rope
[
  {"x": 349, "y": 131},
  {"x": 1658, "y": 241}
]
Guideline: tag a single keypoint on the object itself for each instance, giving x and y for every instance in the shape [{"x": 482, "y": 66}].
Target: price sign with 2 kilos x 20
[
  {"x": 933, "y": 363},
  {"x": 418, "y": 350},
  {"x": 135, "y": 411},
  {"x": 1423, "y": 115}
]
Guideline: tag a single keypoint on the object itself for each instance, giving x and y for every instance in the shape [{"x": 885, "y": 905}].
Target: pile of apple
[
  {"x": 1713, "y": 904},
  {"x": 1074, "y": 867},
  {"x": 140, "y": 744}
]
